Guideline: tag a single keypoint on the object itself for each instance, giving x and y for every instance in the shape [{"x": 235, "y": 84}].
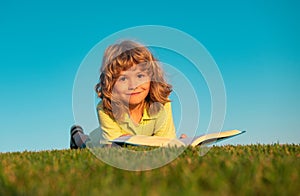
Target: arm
[
  {"x": 109, "y": 127},
  {"x": 165, "y": 124}
]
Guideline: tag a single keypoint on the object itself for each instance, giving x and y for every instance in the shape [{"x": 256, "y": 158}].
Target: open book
[{"x": 143, "y": 140}]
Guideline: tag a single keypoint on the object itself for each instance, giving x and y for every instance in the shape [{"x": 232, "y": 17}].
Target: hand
[
  {"x": 182, "y": 136},
  {"x": 125, "y": 134}
]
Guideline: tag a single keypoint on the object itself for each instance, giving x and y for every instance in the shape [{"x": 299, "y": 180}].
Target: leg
[{"x": 78, "y": 138}]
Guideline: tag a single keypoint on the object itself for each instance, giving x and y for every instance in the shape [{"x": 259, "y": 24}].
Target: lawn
[{"x": 224, "y": 170}]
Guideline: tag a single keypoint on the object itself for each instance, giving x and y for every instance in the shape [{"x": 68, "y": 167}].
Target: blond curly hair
[{"x": 121, "y": 57}]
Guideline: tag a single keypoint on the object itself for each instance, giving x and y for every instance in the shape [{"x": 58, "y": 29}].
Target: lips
[{"x": 132, "y": 94}]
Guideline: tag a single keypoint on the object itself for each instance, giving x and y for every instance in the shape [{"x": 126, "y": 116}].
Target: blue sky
[{"x": 255, "y": 44}]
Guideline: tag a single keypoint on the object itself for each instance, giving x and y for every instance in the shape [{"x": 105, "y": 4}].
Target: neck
[{"x": 136, "y": 112}]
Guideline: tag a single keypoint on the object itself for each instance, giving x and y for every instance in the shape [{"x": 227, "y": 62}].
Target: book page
[
  {"x": 153, "y": 141},
  {"x": 215, "y": 136},
  {"x": 143, "y": 140}
]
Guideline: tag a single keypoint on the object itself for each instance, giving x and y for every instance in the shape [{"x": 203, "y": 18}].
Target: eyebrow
[
  {"x": 141, "y": 71},
  {"x": 122, "y": 75}
]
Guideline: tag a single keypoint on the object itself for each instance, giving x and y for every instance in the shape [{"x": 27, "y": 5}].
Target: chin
[{"x": 135, "y": 102}]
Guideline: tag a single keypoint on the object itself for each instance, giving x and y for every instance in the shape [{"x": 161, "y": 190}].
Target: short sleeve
[
  {"x": 165, "y": 124},
  {"x": 109, "y": 127}
]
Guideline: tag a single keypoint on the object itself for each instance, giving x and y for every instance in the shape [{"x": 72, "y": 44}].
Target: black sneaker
[{"x": 75, "y": 129}]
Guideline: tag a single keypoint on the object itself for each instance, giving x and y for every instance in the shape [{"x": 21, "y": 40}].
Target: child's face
[{"x": 133, "y": 86}]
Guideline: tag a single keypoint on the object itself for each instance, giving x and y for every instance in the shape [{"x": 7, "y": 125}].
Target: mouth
[{"x": 133, "y": 94}]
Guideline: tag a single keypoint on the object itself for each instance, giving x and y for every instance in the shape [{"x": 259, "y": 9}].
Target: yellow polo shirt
[{"x": 160, "y": 124}]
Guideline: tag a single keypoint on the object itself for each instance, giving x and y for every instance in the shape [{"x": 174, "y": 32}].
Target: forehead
[{"x": 134, "y": 69}]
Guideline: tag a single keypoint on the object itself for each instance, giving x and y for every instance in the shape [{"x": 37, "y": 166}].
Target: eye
[
  {"x": 141, "y": 75},
  {"x": 122, "y": 78}
]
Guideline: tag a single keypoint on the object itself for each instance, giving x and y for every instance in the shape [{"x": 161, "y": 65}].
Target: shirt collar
[{"x": 145, "y": 116}]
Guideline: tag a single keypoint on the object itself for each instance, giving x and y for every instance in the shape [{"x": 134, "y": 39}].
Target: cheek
[
  {"x": 119, "y": 87},
  {"x": 146, "y": 86},
  {"x": 117, "y": 90}
]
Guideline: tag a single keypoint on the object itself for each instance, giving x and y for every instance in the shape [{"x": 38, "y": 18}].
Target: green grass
[{"x": 226, "y": 170}]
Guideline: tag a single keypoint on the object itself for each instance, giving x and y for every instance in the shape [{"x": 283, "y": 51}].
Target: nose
[{"x": 132, "y": 84}]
